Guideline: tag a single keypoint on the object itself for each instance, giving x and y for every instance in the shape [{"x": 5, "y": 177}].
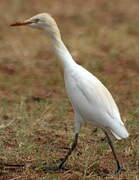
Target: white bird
[{"x": 91, "y": 101}]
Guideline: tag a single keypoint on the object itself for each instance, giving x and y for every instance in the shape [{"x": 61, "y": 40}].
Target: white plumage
[
  {"x": 93, "y": 102},
  {"x": 90, "y": 99}
]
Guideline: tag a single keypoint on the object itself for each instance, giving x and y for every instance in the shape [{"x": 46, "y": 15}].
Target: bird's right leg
[
  {"x": 61, "y": 166},
  {"x": 78, "y": 121},
  {"x": 73, "y": 146}
]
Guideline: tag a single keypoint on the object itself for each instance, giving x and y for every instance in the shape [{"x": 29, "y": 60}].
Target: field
[{"x": 102, "y": 36}]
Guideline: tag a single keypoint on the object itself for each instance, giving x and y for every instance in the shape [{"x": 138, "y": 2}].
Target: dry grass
[{"x": 103, "y": 36}]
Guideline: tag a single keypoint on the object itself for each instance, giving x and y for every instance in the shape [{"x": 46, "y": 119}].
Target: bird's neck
[{"x": 62, "y": 53}]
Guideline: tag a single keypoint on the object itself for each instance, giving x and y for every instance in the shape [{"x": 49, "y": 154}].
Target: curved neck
[
  {"x": 60, "y": 49},
  {"x": 62, "y": 53}
]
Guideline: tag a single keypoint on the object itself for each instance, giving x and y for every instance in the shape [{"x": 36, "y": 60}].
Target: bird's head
[{"x": 42, "y": 21}]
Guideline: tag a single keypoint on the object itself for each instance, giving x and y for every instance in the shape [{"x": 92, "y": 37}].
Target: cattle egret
[{"x": 91, "y": 101}]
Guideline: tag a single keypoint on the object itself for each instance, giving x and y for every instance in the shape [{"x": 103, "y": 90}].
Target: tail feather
[{"x": 119, "y": 131}]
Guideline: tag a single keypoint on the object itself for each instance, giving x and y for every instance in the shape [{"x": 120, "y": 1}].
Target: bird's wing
[{"x": 96, "y": 93}]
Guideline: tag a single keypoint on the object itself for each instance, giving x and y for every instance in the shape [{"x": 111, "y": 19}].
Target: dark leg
[
  {"x": 73, "y": 146},
  {"x": 119, "y": 167},
  {"x": 46, "y": 169}
]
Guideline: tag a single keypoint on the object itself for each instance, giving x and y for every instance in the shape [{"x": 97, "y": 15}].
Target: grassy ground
[{"x": 103, "y": 36}]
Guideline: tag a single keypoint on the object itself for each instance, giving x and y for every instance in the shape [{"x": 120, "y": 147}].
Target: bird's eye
[{"x": 36, "y": 20}]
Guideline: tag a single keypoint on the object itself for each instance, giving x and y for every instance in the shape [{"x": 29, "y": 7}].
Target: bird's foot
[
  {"x": 119, "y": 170},
  {"x": 47, "y": 169},
  {"x": 63, "y": 168},
  {"x": 59, "y": 168}
]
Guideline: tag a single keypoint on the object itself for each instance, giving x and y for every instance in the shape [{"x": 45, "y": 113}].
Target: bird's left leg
[
  {"x": 119, "y": 166},
  {"x": 73, "y": 146}
]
